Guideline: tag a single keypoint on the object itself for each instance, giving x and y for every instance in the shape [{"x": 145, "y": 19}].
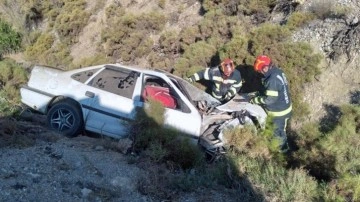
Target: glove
[
  {"x": 253, "y": 94},
  {"x": 252, "y": 100},
  {"x": 226, "y": 98},
  {"x": 189, "y": 79}
]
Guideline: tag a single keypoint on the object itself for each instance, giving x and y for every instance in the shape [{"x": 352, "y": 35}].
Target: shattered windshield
[{"x": 194, "y": 93}]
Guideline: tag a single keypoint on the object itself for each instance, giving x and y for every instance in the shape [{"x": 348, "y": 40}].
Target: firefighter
[
  {"x": 276, "y": 98},
  {"x": 226, "y": 80}
]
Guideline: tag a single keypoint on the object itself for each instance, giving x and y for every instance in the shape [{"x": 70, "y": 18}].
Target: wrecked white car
[{"x": 103, "y": 99}]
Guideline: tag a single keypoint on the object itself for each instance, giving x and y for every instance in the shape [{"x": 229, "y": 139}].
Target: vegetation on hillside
[
  {"x": 10, "y": 40},
  {"x": 324, "y": 165}
]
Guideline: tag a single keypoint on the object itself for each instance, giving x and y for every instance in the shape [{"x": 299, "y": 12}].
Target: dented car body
[{"x": 104, "y": 98}]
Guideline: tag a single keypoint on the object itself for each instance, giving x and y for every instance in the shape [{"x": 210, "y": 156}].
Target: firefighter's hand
[
  {"x": 253, "y": 94},
  {"x": 189, "y": 79},
  {"x": 225, "y": 99},
  {"x": 253, "y": 101}
]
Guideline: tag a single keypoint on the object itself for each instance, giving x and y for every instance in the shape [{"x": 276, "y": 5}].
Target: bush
[
  {"x": 197, "y": 54},
  {"x": 217, "y": 25},
  {"x": 161, "y": 61},
  {"x": 58, "y": 56},
  {"x": 332, "y": 157},
  {"x": 71, "y": 20},
  {"x": 114, "y": 12},
  {"x": 169, "y": 43},
  {"x": 10, "y": 40},
  {"x": 347, "y": 154},
  {"x": 129, "y": 37},
  {"x": 265, "y": 37},
  {"x": 236, "y": 49},
  {"x": 45, "y": 52},
  {"x": 298, "y": 19},
  {"x": 255, "y": 143},
  {"x": 12, "y": 76},
  {"x": 42, "y": 44},
  {"x": 188, "y": 36},
  {"x": 162, "y": 144},
  {"x": 276, "y": 182}
]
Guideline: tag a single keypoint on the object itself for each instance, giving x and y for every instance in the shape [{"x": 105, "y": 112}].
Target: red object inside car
[{"x": 160, "y": 94}]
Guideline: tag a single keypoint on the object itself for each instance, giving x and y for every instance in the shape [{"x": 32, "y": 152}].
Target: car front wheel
[{"x": 65, "y": 117}]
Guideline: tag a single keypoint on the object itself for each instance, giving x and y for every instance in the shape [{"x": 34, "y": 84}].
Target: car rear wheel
[{"x": 65, "y": 117}]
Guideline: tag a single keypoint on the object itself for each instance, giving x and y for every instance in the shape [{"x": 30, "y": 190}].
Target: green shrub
[
  {"x": 255, "y": 143},
  {"x": 114, "y": 11},
  {"x": 275, "y": 181},
  {"x": 217, "y": 25},
  {"x": 129, "y": 38},
  {"x": 160, "y": 143},
  {"x": 12, "y": 76},
  {"x": 236, "y": 49},
  {"x": 183, "y": 66},
  {"x": 188, "y": 36},
  {"x": 71, "y": 20},
  {"x": 298, "y": 19},
  {"x": 197, "y": 54},
  {"x": 343, "y": 142},
  {"x": 160, "y": 61},
  {"x": 45, "y": 52},
  {"x": 152, "y": 21},
  {"x": 212, "y": 176},
  {"x": 333, "y": 157},
  {"x": 10, "y": 40},
  {"x": 42, "y": 44},
  {"x": 266, "y": 37},
  {"x": 169, "y": 42},
  {"x": 259, "y": 8},
  {"x": 58, "y": 56}
]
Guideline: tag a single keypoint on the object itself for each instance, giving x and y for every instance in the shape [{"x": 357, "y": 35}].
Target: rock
[{"x": 86, "y": 192}]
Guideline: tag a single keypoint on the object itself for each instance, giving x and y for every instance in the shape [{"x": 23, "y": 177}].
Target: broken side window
[
  {"x": 158, "y": 89},
  {"x": 116, "y": 80}
]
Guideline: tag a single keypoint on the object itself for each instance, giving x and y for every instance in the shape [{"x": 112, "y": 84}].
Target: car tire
[{"x": 65, "y": 117}]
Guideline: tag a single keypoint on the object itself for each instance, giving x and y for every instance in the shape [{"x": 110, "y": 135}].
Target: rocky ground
[
  {"x": 41, "y": 165},
  {"x": 339, "y": 81}
]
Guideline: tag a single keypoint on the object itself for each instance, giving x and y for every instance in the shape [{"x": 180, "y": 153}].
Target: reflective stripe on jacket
[
  {"x": 276, "y": 97},
  {"x": 221, "y": 87}
]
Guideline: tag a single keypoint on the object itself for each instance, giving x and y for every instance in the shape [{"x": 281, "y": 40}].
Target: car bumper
[{"x": 35, "y": 99}]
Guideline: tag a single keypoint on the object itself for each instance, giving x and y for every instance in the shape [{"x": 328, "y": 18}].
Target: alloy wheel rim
[{"x": 62, "y": 120}]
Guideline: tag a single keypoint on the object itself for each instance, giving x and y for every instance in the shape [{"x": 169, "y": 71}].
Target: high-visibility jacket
[
  {"x": 223, "y": 88},
  {"x": 276, "y": 98}
]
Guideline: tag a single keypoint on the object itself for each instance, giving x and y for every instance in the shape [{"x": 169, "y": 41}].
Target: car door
[
  {"x": 183, "y": 116},
  {"x": 112, "y": 106}
]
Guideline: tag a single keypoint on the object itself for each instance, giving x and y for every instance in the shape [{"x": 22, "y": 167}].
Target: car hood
[{"x": 239, "y": 103}]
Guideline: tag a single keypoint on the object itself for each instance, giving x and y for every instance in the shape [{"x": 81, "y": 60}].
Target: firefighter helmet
[
  {"x": 227, "y": 67},
  {"x": 261, "y": 62}
]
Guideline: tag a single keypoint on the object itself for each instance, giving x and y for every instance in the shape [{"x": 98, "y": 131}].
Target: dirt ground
[{"x": 41, "y": 165}]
